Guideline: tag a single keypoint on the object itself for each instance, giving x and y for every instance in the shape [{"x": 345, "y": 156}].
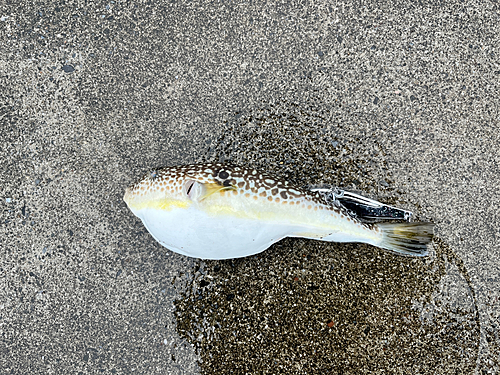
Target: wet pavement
[{"x": 399, "y": 102}]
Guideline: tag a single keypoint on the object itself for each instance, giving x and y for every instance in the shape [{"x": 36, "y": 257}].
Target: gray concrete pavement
[{"x": 399, "y": 101}]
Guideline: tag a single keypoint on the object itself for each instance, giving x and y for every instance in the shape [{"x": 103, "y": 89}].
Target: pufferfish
[{"x": 220, "y": 211}]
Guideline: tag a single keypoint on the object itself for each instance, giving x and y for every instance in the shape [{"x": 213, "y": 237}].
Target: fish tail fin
[{"x": 408, "y": 239}]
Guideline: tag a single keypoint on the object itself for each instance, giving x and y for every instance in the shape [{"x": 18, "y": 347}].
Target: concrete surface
[{"x": 398, "y": 100}]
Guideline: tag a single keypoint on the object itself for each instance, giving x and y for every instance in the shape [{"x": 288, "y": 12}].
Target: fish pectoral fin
[{"x": 204, "y": 190}]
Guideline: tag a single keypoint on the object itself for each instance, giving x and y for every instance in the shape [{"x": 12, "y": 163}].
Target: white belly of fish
[{"x": 195, "y": 233}]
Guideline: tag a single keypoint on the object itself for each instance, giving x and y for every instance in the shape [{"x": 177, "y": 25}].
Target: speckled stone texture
[{"x": 398, "y": 100}]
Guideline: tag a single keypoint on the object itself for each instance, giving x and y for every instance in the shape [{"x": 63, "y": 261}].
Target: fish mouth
[{"x": 128, "y": 195}]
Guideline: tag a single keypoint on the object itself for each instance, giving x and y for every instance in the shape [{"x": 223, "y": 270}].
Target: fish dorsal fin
[{"x": 198, "y": 191}]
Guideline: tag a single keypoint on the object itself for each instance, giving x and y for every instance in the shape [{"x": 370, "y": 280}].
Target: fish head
[
  {"x": 173, "y": 187},
  {"x": 160, "y": 189}
]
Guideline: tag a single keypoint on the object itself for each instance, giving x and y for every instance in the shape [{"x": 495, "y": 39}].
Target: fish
[{"x": 225, "y": 211}]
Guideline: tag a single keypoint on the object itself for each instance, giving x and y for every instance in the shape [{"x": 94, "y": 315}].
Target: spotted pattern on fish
[{"x": 246, "y": 181}]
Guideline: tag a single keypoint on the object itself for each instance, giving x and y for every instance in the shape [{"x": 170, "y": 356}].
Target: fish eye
[
  {"x": 191, "y": 183},
  {"x": 189, "y": 188},
  {"x": 194, "y": 189}
]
